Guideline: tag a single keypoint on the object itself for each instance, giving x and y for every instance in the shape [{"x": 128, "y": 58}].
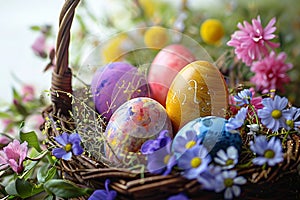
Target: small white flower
[
  {"x": 229, "y": 181},
  {"x": 253, "y": 129},
  {"x": 227, "y": 160}
]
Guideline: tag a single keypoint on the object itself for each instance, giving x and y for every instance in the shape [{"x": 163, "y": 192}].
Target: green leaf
[
  {"x": 44, "y": 173},
  {"x": 32, "y": 163},
  {"x": 49, "y": 197},
  {"x": 35, "y": 28},
  {"x": 31, "y": 138},
  {"x": 4, "y": 115},
  {"x": 22, "y": 188},
  {"x": 65, "y": 189},
  {"x": 29, "y": 168},
  {"x": 16, "y": 95}
]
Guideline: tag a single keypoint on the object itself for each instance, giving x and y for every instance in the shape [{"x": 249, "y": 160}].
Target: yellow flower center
[
  {"x": 290, "y": 123},
  {"x": 190, "y": 144},
  {"x": 167, "y": 158},
  {"x": 228, "y": 182},
  {"x": 212, "y": 31},
  {"x": 68, "y": 147},
  {"x": 276, "y": 114},
  {"x": 269, "y": 154},
  {"x": 195, "y": 162},
  {"x": 229, "y": 162}
]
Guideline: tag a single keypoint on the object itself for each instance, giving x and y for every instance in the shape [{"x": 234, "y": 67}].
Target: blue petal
[
  {"x": 164, "y": 141},
  {"x": 178, "y": 197},
  {"x": 77, "y": 149},
  {"x": 282, "y": 102},
  {"x": 191, "y": 135},
  {"x": 163, "y": 134},
  {"x": 58, "y": 152},
  {"x": 63, "y": 139},
  {"x": 98, "y": 195},
  {"x": 259, "y": 160},
  {"x": 147, "y": 147},
  {"x": 67, "y": 156},
  {"x": 111, "y": 195},
  {"x": 74, "y": 137},
  {"x": 172, "y": 162}
]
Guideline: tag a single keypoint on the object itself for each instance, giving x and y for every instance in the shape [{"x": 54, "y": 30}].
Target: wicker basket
[{"x": 280, "y": 182}]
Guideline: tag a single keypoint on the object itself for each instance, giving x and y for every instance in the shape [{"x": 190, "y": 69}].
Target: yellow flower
[
  {"x": 211, "y": 31},
  {"x": 113, "y": 50},
  {"x": 148, "y": 7},
  {"x": 156, "y": 37}
]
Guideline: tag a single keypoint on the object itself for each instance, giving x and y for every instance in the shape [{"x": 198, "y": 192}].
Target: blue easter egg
[{"x": 209, "y": 131}]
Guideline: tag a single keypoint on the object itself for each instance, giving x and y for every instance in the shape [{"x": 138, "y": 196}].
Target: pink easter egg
[{"x": 165, "y": 66}]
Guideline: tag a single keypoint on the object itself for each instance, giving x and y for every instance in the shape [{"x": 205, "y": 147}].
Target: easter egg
[
  {"x": 114, "y": 84},
  {"x": 165, "y": 66},
  {"x": 210, "y": 131},
  {"x": 198, "y": 90},
  {"x": 133, "y": 123}
]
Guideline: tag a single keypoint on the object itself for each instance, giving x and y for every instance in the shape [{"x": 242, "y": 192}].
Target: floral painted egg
[
  {"x": 116, "y": 83},
  {"x": 132, "y": 124},
  {"x": 209, "y": 131},
  {"x": 165, "y": 66},
  {"x": 198, "y": 90}
]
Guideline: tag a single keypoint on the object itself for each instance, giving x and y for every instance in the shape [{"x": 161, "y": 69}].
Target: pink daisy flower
[
  {"x": 39, "y": 46},
  {"x": 13, "y": 155},
  {"x": 270, "y": 73},
  {"x": 28, "y": 93},
  {"x": 251, "y": 42}
]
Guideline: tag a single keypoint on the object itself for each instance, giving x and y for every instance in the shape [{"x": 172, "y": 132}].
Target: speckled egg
[
  {"x": 114, "y": 84},
  {"x": 165, "y": 66},
  {"x": 211, "y": 132},
  {"x": 133, "y": 123},
  {"x": 198, "y": 90}
]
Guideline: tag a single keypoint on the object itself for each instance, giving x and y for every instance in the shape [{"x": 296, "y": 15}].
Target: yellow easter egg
[{"x": 198, "y": 90}]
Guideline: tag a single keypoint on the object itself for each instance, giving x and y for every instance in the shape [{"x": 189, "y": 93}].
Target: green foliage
[
  {"x": 65, "y": 189},
  {"x": 22, "y": 188},
  {"x": 31, "y": 138}
]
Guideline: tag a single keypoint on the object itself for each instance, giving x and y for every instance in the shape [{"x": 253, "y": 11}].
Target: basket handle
[{"x": 61, "y": 85}]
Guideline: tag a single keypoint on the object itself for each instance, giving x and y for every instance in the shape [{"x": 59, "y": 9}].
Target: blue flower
[
  {"x": 104, "y": 194},
  {"x": 266, "y": 152},
  {"x": 178, "y": 197},
  {"x": 70, "y": 145},
  {"x": 238, "y": 120},
  {"x": 227, "y": 160},
  {"x": 194, "y": 161},
  {"x": 207, "y": 178},
  {"x": 292, "y": 118},
  {"x": 161, "y": 161},
  {"x": 182, "y": 143},
  {"x": 272, "y": 115},
  {"x": 153, "y": 145},
  {"x": 243, "y": 97},
  {"x": 229, "y": 181}
]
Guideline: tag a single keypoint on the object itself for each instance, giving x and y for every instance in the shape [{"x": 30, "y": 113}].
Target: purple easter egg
[{"x": 116, "y": 83}]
